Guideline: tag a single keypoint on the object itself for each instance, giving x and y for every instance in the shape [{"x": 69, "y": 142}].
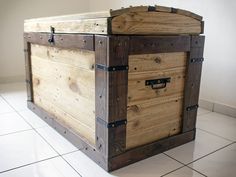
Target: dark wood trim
[
  {"x": 111, "y": 93},
  {"x": 81, "y": 143},
  {"x": 72, "y": 41},
  {"x": 192, "y": 82},
  {"x": 158, "y": 44},
  {"x": 28, "y": 74},
  {"x": 143, "y": 152}
]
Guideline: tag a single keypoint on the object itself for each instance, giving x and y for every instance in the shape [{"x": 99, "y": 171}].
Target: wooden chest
[{"x": 121, "y": 85}]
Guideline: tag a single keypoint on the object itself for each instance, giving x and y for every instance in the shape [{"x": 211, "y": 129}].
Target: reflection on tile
[
  {"x": 184, "y": 172},
  {"x": 55, "y": 167},
  {"x": 4, "y": 107},
  {"x": 219, "y": 164},
  {"x": 12, "y": 122},
  {"x": 59, "y": 143},
  {"x": 202, "y": 111},
  {"x": 23, "y": 148},
  {"x": 219, "y": 124},
  {"x": 204, "y": 144},
  {"x": 155, "y": 166},
  {"x": 33, "y": 119}
]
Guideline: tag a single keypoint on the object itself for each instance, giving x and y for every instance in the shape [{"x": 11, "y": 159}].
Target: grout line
[
  {"x": 216, "y": 135},
  {"x": 27, "y": 164},
  {"x": 20, "y": 131},
  {"x": 59, "y": 155},
  {"x": 172, "y": 171},
  {"x": 184, "y": 165},
  {"x": 195, "y": 159},
  {"x": 211, "y": 153},
  {"x": 49, "y": 144}
]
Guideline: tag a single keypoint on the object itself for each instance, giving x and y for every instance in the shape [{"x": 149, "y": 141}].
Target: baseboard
[
  {"x": 12, "y": 79},
  {"x": 218, "y": 107}
]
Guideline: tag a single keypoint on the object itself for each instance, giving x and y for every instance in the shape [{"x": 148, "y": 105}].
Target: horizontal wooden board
[
  {"x": 149, "y": 122},
  {"x": 155, "y": 23},
  {"x": 154, "y": 114},
  {"x": 158, "y": 61},
  {"x": 64, "y": 88},
  {"x": 138, "y": 91},
  {"x": 131, "y": 20},
  {"x": 94, "y": 26}
]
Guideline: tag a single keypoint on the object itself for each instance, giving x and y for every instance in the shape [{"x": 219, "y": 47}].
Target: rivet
[
  {"x": 100, "y": 42},
  {"x": 84, "y": 41}
]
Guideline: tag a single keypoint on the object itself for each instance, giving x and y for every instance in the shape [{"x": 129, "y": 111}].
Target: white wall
[
  {"x": 219, "y": 68},
  {"x": 12, "y": 15}
]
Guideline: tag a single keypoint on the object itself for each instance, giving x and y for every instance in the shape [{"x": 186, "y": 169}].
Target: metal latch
[
  {"x": 51, "y": 38},
  {"x": 158, "y": 83}
]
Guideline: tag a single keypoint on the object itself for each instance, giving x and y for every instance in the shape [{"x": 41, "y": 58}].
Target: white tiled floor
[{"x": 30, "y": 148}]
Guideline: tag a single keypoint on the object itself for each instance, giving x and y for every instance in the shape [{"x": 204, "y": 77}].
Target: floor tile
[
  {"x": 204, "y": 144},
  {"x": 15, "y": 95},
  {"x": 219, "y": 164},
  {"x": 59, "y": 143},
  {"x": 12, "y": 122},
  {"x": 4, "y": 107},
  {"x": 23, "y": 148},
  {"x": 33, "y": 119},
  {"x": 184, "y": 172},
  {"x": 202, "y": 111},
  {"x": 55, "y": 167},
  {"x": 218, "y": 124},
  {"x": 155, "y": 166}
]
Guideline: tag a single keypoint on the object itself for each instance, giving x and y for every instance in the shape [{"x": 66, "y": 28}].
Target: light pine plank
[
  {"x": 155, "y": 23},
  {"x": 92, "y": 26},
  {"x": 77, "y": 58},
  {"x": 138, "y": 91},
  {"x": 158, "y": 61},
  {"x": 150, "y": 122},
  {"x": 65, "y": 89}
]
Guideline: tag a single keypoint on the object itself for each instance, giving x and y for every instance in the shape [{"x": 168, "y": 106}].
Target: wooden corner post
[
  {"x": 192, "y": 83},
  {"x": 111, "y": 59}
]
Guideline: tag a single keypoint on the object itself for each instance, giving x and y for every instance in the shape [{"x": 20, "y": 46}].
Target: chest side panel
[
  {"x": 155, "y": 111},
  {"x": 64, "y": 86}
]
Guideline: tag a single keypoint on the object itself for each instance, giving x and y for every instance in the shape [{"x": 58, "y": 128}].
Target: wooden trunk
[{"x": 121, "y": 85}]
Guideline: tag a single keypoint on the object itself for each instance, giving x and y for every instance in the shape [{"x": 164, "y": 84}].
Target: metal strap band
[
  {"x": 197, "y": 60},
  {"x": 112, "y": 124},
  {"x": 112, "y": 68},
  {"x": 193, "y": 107}
]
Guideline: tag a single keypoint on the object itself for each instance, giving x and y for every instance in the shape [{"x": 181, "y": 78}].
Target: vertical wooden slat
[
  {"x": 192, "y": 83},
  {"x": 27, "y": 51},
  {"x": 111, "y": 93}
]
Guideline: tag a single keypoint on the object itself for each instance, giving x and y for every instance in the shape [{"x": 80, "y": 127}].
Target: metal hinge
[
  {"x": 197, "y": 60},
  {"x": 193, "y": 107},
  {"x": 112, "y": 124},
  {"x": 151, "y": 8},
  {"x": 112, "y": 68}
]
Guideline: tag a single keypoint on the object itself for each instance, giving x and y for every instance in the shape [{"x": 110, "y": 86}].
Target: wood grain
[
  {"x": 148, "y": 122},
  {"x": 65, "y": 88},
  {"x": 158, "y": 61},
  {"x": 92, "y": 26},
  {"x": 155, "y": 23},
  {"x": 138, "y": 91}
]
